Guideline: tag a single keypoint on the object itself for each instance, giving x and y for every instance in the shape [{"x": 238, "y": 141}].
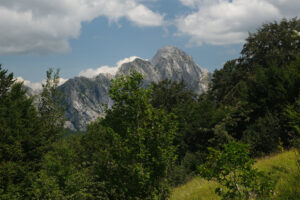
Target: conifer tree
[
  {"x": 20, "y": 139},
  {"x": 50, "y": 107},
  {"x": 5, "y": 82}
]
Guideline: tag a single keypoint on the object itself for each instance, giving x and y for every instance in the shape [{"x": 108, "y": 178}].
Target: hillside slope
[{"x": 282, "y": 168}]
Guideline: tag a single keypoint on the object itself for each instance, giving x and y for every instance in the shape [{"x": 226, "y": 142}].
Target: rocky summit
[{"x": 85, "y": 97}]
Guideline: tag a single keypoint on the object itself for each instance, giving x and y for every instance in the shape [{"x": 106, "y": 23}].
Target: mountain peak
[
  {"x": 84, "y": 96},
  {"x": 169, "y": 48},
  {"x": 167, "y": 52}
]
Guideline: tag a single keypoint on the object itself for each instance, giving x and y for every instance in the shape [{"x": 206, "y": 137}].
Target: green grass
[
  {"x": 196, "y": 189},
  {"x": 282, "y": 168}
]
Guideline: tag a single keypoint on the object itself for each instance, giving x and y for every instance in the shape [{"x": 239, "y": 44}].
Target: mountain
[
  {"x": 84, "y": 97},
  {"x": 142, "y": 66},
  {"x": 174, "y": 64}
]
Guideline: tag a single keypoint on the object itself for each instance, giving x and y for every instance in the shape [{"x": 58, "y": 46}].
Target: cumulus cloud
[
  {"x": 37, "y": 86},
  {"x": 43, "y": 26},
  {"x": 196, "y": 3},
  {"x": 90, "y": 73},
  {"x": 34, "y": 86},
  {"x": 220, "y": 22},
  {"x": 62, "y": 81}
]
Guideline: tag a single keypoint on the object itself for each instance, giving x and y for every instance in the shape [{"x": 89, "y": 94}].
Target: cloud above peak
[
  {"x": 221, "y": 22},
  {"x": 91, "y": 73},
  {"x": 43, "y": 26},
  {"x": 37, "y": 86}
]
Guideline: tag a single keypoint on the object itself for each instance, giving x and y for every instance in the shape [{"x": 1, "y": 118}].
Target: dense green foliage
[
  {"x": 233, "y": 168},
  {"x": 21, "y": 140},
  {"x": 134, "y": 147},
  {"x": 262, "y": 83},
  {"x": 157, "y": 137},
  {"x": 50, "y": 109}
]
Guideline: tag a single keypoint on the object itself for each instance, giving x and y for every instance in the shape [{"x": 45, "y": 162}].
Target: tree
[
  {"x": 137, "y": 151},
  {"x": 264, "y": 135},
  {"x": 273, "y": 42},
  {"x": 232, "y": 168},
  {"x": 20, "y": 139},
  {"x": 63, "y": 174},
  {"x": 171, "y": 95},
  {"x": 257, "y": 87},
  {"x": 50, "y": 107},
  {"x": 273, "y": 45},
  {"x": 292, "y": 113},
  {"x": 226, "y": 81},
  {"x": 6, "y": 82},
  {"x": 174, "y": 97}
]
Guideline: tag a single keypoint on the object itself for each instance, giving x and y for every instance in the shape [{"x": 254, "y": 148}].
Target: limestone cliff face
[
  {"x": 83, "y": 100},
  {"x": 174, "y": 64},
  {"x": 84, "y": 97},
  {"x": 142, "y": 66}
]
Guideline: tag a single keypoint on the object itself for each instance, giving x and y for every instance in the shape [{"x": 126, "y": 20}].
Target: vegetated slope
[
  {"x": 282, "y": 168},
  {"x": 84, "y": 97}
]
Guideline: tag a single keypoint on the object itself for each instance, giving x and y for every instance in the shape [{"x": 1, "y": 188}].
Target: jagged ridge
[{"x": 85, "y": 97}]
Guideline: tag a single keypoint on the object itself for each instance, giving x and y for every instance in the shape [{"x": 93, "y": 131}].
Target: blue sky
[{"x": 76, "y": 35}]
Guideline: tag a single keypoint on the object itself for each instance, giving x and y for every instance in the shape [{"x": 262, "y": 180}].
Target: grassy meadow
[{"x": 283, "y": 170}]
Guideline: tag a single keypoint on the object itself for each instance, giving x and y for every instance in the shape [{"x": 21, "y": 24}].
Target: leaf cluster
[{"x": 232, "y": 168}]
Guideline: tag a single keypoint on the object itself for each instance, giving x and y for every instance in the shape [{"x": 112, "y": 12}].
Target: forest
[{"x": 154, "y": 139}]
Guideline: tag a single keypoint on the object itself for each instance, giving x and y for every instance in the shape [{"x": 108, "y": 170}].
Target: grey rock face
[
  {"x": 141, "y": 66},
  {"x": 83, "y": 100},
  {"x": 84, "y": 97},
  {"x": 174, "y": 64}
]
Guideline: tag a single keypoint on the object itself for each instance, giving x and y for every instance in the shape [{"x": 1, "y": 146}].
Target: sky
[{"x": 81, "y": 36}]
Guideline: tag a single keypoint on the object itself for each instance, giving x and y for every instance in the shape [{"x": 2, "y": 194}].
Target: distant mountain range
[{"x": 84, "y": 97}]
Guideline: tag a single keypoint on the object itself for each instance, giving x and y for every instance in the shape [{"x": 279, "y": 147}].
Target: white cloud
[
  {"x": 37, "y": 86},
  {"x": 62, "y": 81},
  {"x": 195, "y": 3},
  {"x": 220, "y": 22},
  {"x": 142, "y": 16},
  {"x": 90, "y": 73},
  {"x": 34, "y": 86},
  {"x": 43, "y": 26}
]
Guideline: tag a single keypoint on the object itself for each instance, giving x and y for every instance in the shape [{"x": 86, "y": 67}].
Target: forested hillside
[{"x": 154, "y": 139}]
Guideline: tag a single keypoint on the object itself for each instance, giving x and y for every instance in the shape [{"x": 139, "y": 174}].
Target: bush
[{"x": 232, "y": 168}]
